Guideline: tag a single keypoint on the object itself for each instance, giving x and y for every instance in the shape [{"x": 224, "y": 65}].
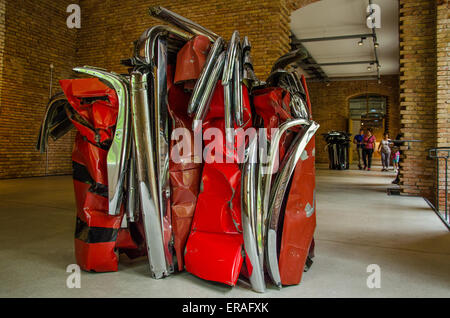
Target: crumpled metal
[
  {"x": 214, "y": 250},
  {"x": 190, "y": 61},
  {"x": 98, "y": 234},
  {"x": 184, "y": 176}
]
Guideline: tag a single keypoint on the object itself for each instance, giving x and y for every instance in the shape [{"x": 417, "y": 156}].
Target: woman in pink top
[{"x": 368, "y": 147}]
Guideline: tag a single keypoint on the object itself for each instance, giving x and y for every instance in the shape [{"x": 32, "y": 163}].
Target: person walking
[
  {"x": 368, "y": 147},
  {"x": 385, "y": 151},
  {"x": 395, "y": 158},
  {"x": 358, "y": 141}
]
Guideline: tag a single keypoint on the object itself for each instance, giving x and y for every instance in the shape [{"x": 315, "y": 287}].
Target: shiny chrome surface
[
  {"x": 248, "y": 74},
  {"x": 237, "y": 83},
  {"x": 50, "y": 127},
  {"x": 227, "y": 84},
  {"x": 118, "y": 152},
  {"x": 205, "y": 75},
  {"x": 288, "y": 58},
  {"x": 249, "y": 226},
  {"x": 132, "y": 206},
  {"x": 208, "y": 92},
  {"x": 148, "y": 40},
  {"x": 277, "y": 195},
  {"x": 183, "y": 23},
  {"x": 291, "y": 82},
  {"x": 273, "y": 155},
  {"x": 147, "y": 175},
  {"x": 161, "y": 133}
]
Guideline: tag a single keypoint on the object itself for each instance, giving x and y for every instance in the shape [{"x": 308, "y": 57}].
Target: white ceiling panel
[{"x": 328, "y": 18}]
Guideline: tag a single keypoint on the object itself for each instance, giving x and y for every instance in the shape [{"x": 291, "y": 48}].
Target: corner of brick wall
[
  {"x": 418, "y": 95},
  {"x": 35, "y": 35},
  {"x": 443, "y": 86}
]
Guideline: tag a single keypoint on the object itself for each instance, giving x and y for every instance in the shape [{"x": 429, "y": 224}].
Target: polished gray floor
[{"x": 358, "y": 225}]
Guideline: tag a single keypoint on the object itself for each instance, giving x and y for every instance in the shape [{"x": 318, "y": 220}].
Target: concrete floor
[{"x": 358, "y": 225}]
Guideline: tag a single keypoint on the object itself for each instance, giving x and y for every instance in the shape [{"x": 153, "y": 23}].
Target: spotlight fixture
[
  {"x": 360, "y": 42},
  {"x": 369, "y": 68},
  {"x": 376, "y": 44}
]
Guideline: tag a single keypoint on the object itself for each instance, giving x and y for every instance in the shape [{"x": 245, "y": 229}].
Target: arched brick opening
[{"x": 331, "y": 110}]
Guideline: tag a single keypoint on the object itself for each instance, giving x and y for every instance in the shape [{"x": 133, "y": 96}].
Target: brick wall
[
  {"x": 418, "y": 94},
  {"x": 106, "y": 36},
  {"x": 443, "y": 85},
  {"x": 2, "y": 43},
  {"x": 36, "y": 35},
  {"x": 331, "y": 111}
]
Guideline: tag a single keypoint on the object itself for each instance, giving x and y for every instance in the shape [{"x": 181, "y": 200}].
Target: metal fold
[
  {"x": 146, "y": 172},
  {"x": 266, "y": 180},
  {"x": 119, "y": 149},
  {"x": 289, "y": 58},
  {"x": 205, "y": 98},
  {"x": 161, "y": 137},
  {"x": 146, "y": 44},
  {"x": 249, "y": 217},
  {"x": 227, "y": 84},
  {"x": 277, "y": 195},
  {"x": 183, "y": 23},
  {"x": 237, "y": 87},
  {"x": 55, "y": 122},
  {"x": 205, "y": 75}
]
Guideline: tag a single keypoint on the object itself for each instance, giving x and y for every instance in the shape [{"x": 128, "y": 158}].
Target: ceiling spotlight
[
  {"x": 360, "y": 42},
  {"x": 376, "y": 44},
  {"x": 369, "y": 68}
]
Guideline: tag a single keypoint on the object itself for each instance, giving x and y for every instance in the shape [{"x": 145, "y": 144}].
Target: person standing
[
  {"x": 368, "y": 147},
  {"x": 358, "y": 141},
  {"x": 385, "y": 151}
]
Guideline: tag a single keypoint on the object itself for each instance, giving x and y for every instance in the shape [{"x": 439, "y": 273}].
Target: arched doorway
[{"x": 368, "y": 111}]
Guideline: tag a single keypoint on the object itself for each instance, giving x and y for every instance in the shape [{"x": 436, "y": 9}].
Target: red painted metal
[
  {"x": 190, "y": 61},
  {"x": 214, "y": 249},
  {"x": 298, "y": 228},
  {"x": 95, "y": 107},
  {"x": 184, "y": 176}
]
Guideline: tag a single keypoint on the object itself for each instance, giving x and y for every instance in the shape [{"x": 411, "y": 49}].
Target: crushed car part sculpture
[{"x": 216, "y": 211}]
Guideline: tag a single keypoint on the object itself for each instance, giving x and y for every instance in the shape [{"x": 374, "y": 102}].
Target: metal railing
[{"x": 441, "y": 154}]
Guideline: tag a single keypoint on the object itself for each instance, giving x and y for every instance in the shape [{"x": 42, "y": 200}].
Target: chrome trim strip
[
  {"x": 267, "y": 178},
  {"x": 208, "y": 92},
  {"x": 131, "y": 187},
  {"x": 277, "y": 195},
  {"x": 44, "y": 132},
  {"x": 118, "y": 152},
  {"x": 237, "y": 83},
  {"x": 183, "y": 23},
  {"x": 227, "y": 77},
  {"x": 145, "y": 164},
  {"x": 161, "y": 133},
  {"x": 289, "y": 58},
  {"x": 248, "y": 198},
  {"x": 148, "y": 39},
  {"x": 206, "y": 73}
]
